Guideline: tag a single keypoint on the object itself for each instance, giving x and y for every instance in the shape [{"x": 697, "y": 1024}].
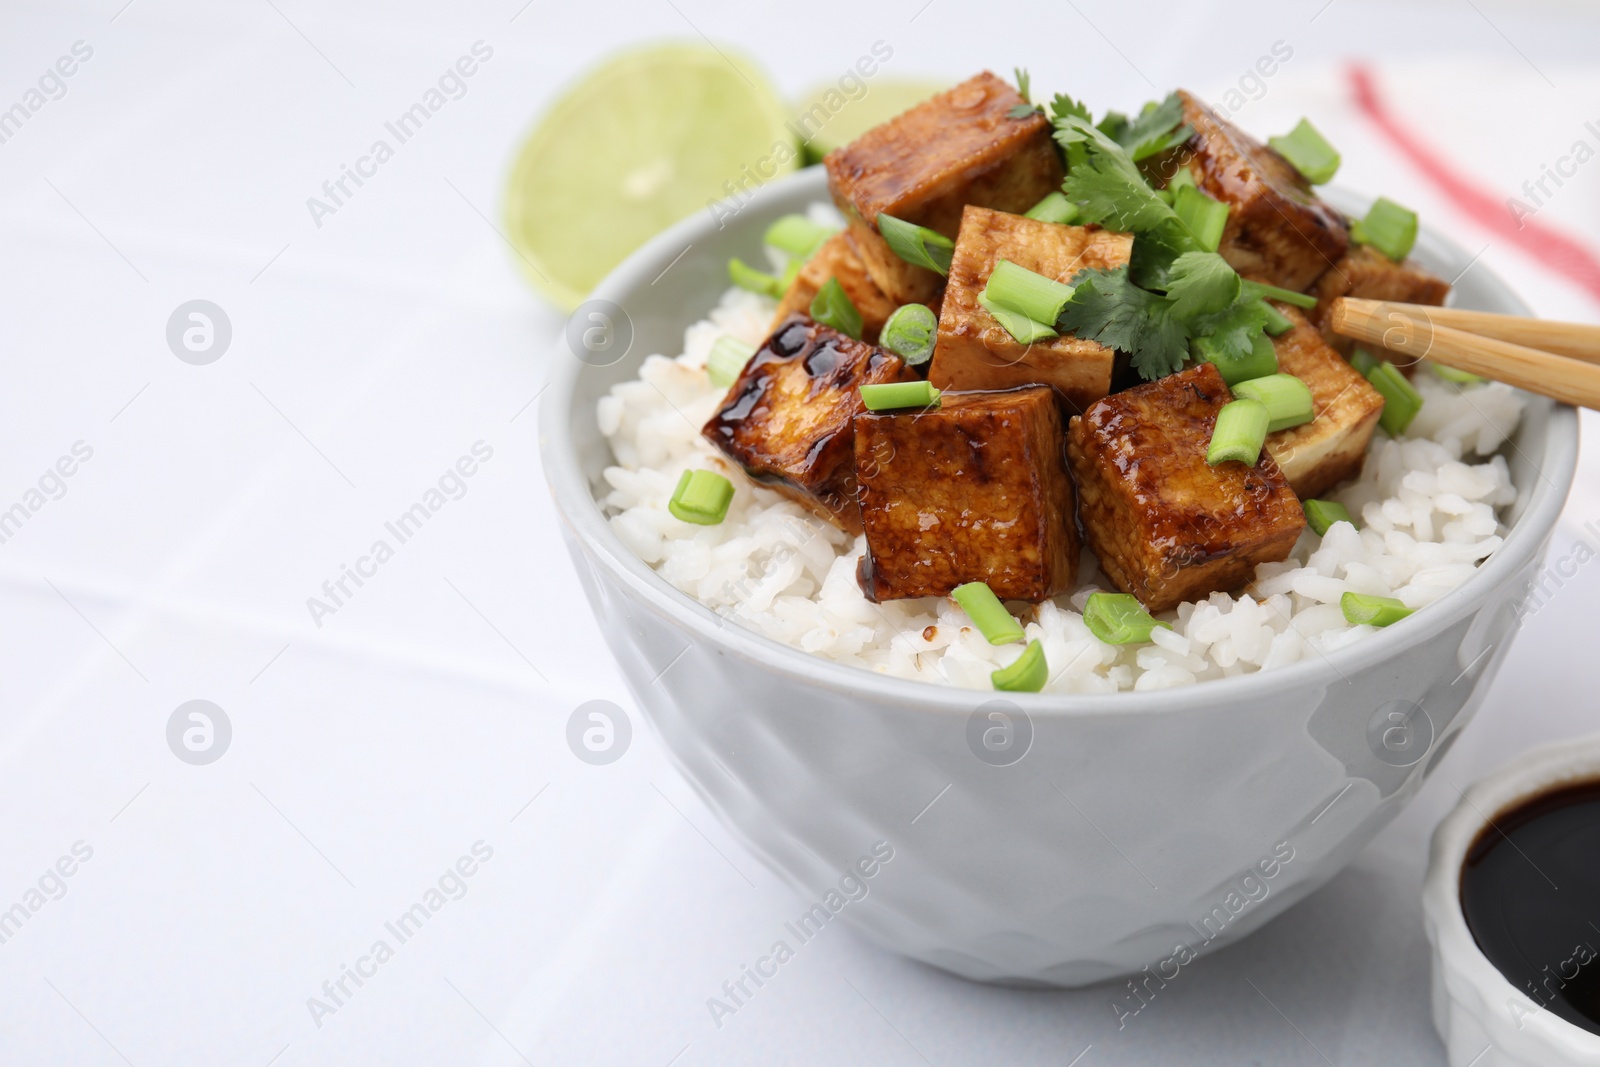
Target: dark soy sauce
[{"x": 1530, "y": 888}]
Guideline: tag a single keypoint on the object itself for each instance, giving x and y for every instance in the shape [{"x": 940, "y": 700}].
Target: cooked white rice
[{"x": 1429, "y": 516}]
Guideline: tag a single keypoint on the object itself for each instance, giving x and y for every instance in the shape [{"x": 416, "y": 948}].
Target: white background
[{"x": 367, "y": 356}]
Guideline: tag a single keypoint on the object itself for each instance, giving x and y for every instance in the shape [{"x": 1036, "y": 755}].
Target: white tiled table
[{"x": 427, "y": 713}]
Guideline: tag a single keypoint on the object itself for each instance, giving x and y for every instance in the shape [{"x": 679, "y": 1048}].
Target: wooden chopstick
[
  {"x": 1415, "y": 332},
  {"x": 1573, "y": 339}
]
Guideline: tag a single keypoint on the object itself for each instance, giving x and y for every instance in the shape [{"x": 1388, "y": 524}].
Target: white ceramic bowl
[
  {"x": 1483, "y": 1019},
  {"x": 1134, "y": 823}
]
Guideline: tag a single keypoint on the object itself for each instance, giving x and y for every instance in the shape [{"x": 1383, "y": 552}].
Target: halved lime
[
  {"x": 644, "y": 140},
  {"x": 827, "y": 117}
]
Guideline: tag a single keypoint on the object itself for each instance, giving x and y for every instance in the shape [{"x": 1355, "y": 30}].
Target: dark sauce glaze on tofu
[{"x": 787, "y": 419}]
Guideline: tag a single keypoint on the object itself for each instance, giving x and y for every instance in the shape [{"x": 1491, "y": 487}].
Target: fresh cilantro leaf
[
  {"x": 1155, "y": 251},
  {"x": 1232, "y": 332},
  {"x": 1107, "y": 307},
  {"x": 1202, "y": 283},
  {"x": 1113, "y": 125},
  {"x": 1021, "y": 111},
  {"x": 1063, "y": 105},
  {"x": 1022, "y": 83},
  {"x": 1158, "y": 128},
  {"x": 1106, "y": 185}
]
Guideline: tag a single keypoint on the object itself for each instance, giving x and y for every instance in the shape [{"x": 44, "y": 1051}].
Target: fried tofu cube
[
  {"x": 1368, "y": 273},
  {"x": 1167, "y": 526},
  {"x": 837, "y": 259},
  {"x": 975, "y": 352},
  {"x": 1320, "y": 454},
  {"x": 1278, "y": 229},
  {"x": 976, "y": 490},
  {"x": 961, "y": 147},
  {"x": 789, "y": 418}
]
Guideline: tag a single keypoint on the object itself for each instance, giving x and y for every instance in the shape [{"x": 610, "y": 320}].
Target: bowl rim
[
  {"x": 578, "y": 508},
  {"x": 1535, "y": 772}
]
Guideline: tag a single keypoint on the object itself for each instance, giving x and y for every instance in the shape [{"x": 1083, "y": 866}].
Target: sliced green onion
[
  {"x": 832, "y": 307},
  {"x": 1055, "y": 207},
  {"x": 910, "y": 333},
  {"x": 1240, "y": 432},
  {"x": 797, "y": 236},
  {"x": 1388, "y": 227},
  {"x": 791, "y": 271},
  {"x": 1119, "y": 619},
  {"x": 1202, "y": 216},
  {"x": 727, "y": 358},
  {"x": 757, "y": 281},
  {"x": 1027, "y": 292},
  {"x": 1020, "y": 327},
  {"x": 890, "y": 396},
  {"x": 1026, "y": 674},
  {"x": 1288, "y": 296},
  {"x": 1165, "y": 196},
  {"x": 1278, "y": 323},
  {"x": 1363, "y": 361},
  {"x": 701, "y": 497},
  {"x": 1363, "y": 609},
  {"x": 915, "y": 244},
  {"x": 1401, "y": 401},
  {"x": 1287, "y": 398},
  {"x": 1460, "y": 377},
  {"x": 997, "y": 625},
  {"x": 1309, "y": 152},
  {"x": 1321, "y": 514},
  {"x": 1183, "y": 179},
  {"x": 1262, "y": 360}
]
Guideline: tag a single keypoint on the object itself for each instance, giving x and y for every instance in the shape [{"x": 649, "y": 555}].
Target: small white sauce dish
[{"x": 1484, "y": 1020}]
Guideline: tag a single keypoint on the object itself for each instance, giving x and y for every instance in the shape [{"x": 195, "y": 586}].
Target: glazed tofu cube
[
  {"x": 788, "y": 419},
  {"x": 1166, "y": 525},
  {"x": 975, "y": 352},
  {"x": 1330, "y": 448},
  {"x": 837, "y": 259},
  {"x": 961, "y": 147},
  {"x": 1278, "y": 229},
  {"x": 1366, "y": 272},
  {"x": 974, "y": 491}
]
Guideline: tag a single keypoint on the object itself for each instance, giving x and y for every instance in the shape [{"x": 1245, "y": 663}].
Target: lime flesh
[
  {"x": 842, "y": 119},
  {"x": 643, "y": 141}
]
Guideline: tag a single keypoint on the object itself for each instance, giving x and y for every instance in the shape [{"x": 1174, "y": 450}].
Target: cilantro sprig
[{"x": 1174, "y": 299}]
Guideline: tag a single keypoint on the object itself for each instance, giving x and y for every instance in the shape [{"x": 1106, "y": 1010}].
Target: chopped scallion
[
  {"x": 1184, "y": 178},
  {"x": 727, "y": 358},
  {"x": 1460, "y": 377},
  {"x": 832, "y": 307},
  {"x": 1287, "y": 398},
  {"x": 1388, "y": 227},
  {"x": 1026, "y": 674},
  {"x": 1204, "y": 217},
  {"x": 757, "y": 281},
  {"x": 701, "y": 497},
  {"x": 1027, "y": 292},
  {"x": 1363, "y": 361},
  {"x": 1278, "y": 323},
  {"x": 1401, "y": 401},
  {"x": 1288, "y": 296},
  {"x": 997, "y": 625},
  {"x": 915, "y": 244},
  {"x": 1055, "y": 207},
  {"x": 891, "y": 396},
  {"x": 1322, "y": 514},
  {"x": 1240, "y": 432},
  {"x": 797, "y": 236},
  {"x": 1309, "y": 152},
  {"x": 1363, "y": 609},
  {"x": 1023, "y": 329},
  {"x": 1119, "y": 619},
  {"x": 1262, "y": 360},
  {"x": 910, "y": 333}
]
